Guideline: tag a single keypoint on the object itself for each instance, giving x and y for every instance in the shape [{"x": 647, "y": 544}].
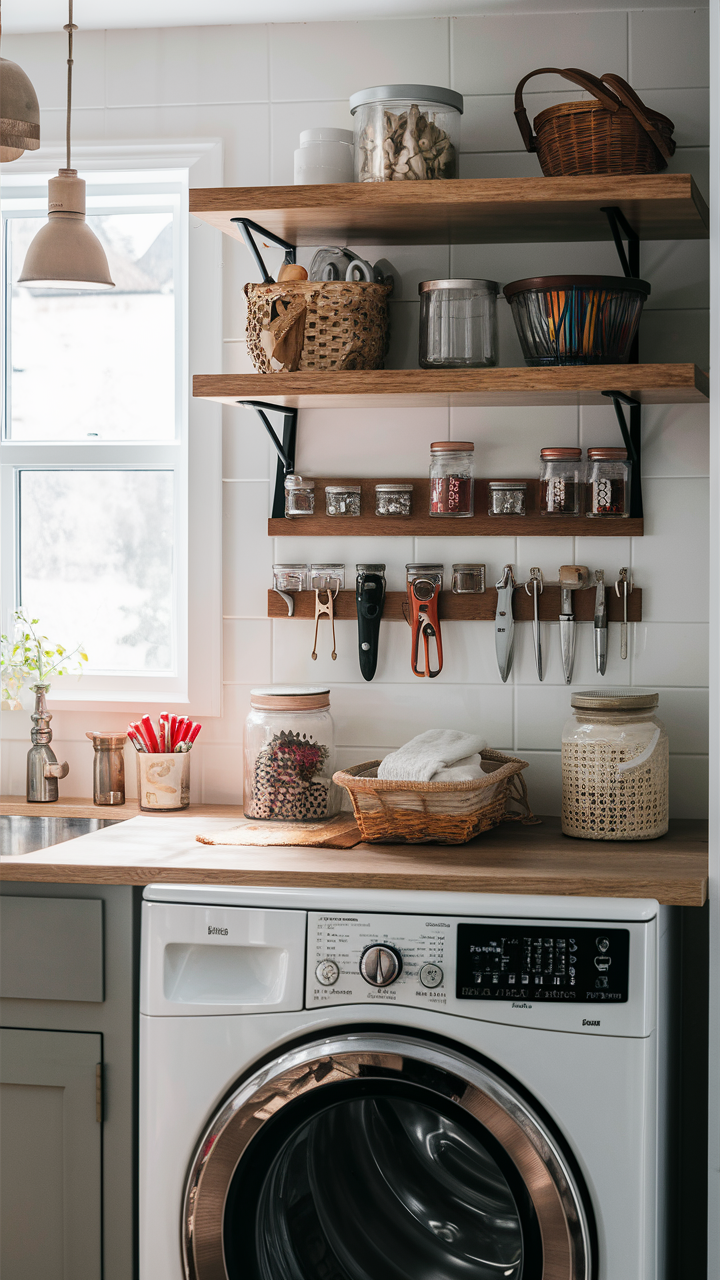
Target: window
[{"x": 95, "y": 441}]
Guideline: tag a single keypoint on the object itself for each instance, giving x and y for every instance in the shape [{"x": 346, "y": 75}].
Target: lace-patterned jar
[
  {"x": 615, "y": 767},
  {"x": 290, "y": 755}
]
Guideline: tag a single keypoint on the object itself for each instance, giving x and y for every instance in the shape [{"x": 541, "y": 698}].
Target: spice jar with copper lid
[
  {"x": 608, "y": 483},
  {"x": 561, "y": 482},
  {"x": 452, "y": 465}
]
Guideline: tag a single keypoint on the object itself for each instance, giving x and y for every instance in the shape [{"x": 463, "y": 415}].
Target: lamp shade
[
  {"x": 19, "y": 112},
  {"x": 65, "y": 253}
]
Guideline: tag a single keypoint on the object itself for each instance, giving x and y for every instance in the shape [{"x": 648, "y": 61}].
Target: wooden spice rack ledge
[
  {"x": 468, "y": 608},
  {"x": 420, "y": 524}
]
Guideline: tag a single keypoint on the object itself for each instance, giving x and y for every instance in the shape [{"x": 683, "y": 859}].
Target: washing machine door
[{"x": 371, "y": 1156}]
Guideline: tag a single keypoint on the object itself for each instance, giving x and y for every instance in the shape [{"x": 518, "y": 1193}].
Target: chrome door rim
[{"x": 550, "y": 1183}]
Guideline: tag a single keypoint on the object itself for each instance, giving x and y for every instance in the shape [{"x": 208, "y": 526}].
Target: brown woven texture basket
[
  {"x": 614, "y": 134},
  {"x": 436, "y": 812},
  {"x": 313, "y": 324}
]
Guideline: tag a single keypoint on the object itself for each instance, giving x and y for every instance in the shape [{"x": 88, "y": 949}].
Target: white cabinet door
[{"x": 50, "y": 1155}]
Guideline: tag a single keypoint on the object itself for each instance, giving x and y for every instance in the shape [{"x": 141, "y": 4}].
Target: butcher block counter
[{"x": 148, "y": 848}]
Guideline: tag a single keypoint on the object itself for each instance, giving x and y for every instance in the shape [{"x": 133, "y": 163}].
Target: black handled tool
[{"x": 370, "y": 599}]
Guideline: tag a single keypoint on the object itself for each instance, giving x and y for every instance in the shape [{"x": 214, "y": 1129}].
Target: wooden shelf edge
[{"x": 435, "y": 527}]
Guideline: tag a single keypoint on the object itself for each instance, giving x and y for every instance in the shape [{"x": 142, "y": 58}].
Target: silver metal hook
[{"x": 535, "y": 580}]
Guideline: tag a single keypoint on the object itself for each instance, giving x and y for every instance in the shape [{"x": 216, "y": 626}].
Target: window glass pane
[
  {"x": 96, "y": 564},
  {"x": 86, "y": 366}
]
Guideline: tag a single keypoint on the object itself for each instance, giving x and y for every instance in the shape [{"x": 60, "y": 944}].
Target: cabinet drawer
[{"x": 51, "y": 949}]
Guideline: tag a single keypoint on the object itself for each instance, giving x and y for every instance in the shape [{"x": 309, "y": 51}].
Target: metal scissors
[{"x": 423, "y": 597}]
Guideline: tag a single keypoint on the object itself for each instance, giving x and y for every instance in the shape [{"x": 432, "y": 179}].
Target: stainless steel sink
[{"x": 21, "y": 834}]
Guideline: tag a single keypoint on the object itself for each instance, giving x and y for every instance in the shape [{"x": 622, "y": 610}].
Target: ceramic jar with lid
[
  {"x": 290, "y": 755},
  {"x": 324, "y": 155},
  {"x": 615, "y": 765}
]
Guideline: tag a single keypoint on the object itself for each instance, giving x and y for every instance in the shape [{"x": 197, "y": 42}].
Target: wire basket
[
  {"x": 436, "y": 812},
  {"x": 575, "y": 320},
  {"x": 313, "y": 324}
]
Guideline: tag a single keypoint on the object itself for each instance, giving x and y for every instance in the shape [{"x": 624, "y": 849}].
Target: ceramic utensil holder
[{"x": 163, "y": 780}]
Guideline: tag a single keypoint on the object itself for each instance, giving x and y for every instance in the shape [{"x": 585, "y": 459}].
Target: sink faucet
[{"x": 43, "y": 769}]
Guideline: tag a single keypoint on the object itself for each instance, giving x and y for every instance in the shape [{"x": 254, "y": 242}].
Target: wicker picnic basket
[
  {"x": 616, "y": 133},
  {"x": 436, "y": 812},
  {"x": 314, "y": 324}
]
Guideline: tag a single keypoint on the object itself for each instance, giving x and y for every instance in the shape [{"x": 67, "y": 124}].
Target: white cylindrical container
[
  {"x": 324, "y": 155},
  {"x": 614, "y": 767},
  {"x": 290, "y": 755},
  {"x": 163, "y": 780}
]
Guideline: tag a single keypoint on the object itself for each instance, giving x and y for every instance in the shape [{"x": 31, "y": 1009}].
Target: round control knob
[
  {"x": 431, "y": 975},
  {"x": 327, "y": 973},
  {"x": 380, "y": 965}
]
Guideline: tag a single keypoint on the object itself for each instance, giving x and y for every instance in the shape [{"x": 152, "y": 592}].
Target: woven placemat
[{"x": 339, "y": 833}]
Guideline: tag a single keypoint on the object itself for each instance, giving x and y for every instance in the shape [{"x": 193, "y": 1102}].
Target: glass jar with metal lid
[
  {"x": 299, "y": 496},
  {"x": 290, "y": 755},
  {"x": 342, "y": 499},
  {"x": 452, "y": 465},
  {"x": 458, "y": 324},
  {"x": 506, "y": 497},
  {"x": 615, "y": 766},
  {"x": 561, "y": 482},
  {"x": 608, "y": 483},
  {"x": 406, "y": 132},
  {"x": 393, "y": 499}
]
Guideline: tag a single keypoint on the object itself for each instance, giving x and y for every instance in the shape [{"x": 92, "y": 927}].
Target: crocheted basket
[
  {"x": 313, "y": 324},
  {"x": 436, "y": 812}
]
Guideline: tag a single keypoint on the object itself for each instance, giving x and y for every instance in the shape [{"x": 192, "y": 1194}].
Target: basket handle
[
  {"x": 583, "y": 79},
  {"x": 630, "y": 99}
]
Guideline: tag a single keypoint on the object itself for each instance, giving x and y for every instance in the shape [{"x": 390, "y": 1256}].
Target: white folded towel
[{"x": 429, "y": 756}]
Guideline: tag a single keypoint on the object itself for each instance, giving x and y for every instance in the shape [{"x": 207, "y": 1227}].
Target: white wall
[{"x": 256, "y": 87}]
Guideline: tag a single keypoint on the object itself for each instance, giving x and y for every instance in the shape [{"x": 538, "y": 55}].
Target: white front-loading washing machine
[{"x": 351, "y": 1085}]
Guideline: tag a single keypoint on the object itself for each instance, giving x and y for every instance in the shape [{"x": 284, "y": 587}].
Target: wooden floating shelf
[
  {"x": 468, "y": 608},
  {"x": 424, "y": 388},
  {"x": 420, "y": 524},
  {"x": 462, "y": 211}
]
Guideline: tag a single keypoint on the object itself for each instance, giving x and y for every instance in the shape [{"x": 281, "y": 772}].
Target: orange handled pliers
[{"x": 423, "y": 597}]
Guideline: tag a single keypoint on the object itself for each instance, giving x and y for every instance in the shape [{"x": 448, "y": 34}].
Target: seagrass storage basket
[
  {"x": 613, "y": 134},
  {"x": 436, "y": 812},
  {"x": 314, "y": 324}
]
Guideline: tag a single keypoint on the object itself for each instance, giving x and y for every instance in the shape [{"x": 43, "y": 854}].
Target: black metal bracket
[
  {"x": 619, "y": 226},
  {"x": 285, "y": 449},
  {"x": 632, "y": 439},
  {"x": 247, "y": 226}
]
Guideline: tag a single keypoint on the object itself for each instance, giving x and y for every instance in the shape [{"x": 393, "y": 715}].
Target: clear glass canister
[
  {"x": 458, "y": 324},
  {"x": 506, "y": 497},
  {"x": 452, "y": 466},
  {"x": 615, "y": 766},
  {"x": 406, "y": 132},
  {"x": 299, "y": 496},
  {"x": 561, "y": 482},
  {"x": 393, "y": 499},
  {"x": 290, "y": 755},
  {"x": 342, "y": 499},
  {"x": 608, "y": 486},
  {"x": 108, "y": 766}
]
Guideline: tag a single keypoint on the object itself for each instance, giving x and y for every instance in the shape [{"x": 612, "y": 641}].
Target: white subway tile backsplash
[
  {"x": 494, "y": 553},
  {"x": 221, "y": 774},
  {"x": 335, "y": 59},
  {"x": 671, "y": 561},
  {"x": 247, "y": 550},
  {"x": 247, "y": 650},
  {"x": 669, "y": 653},
  {"x": 248, "y": 453},
  {"x": 362, "y": 441},
  {"x": 684, "y": 712},
  {"x": 244, "y": 130},
  {"x": 390, "y": 715},
  {"x": 678, "y": 272},
  {"x": 491, "y": 54},
  {"x": 508, "y": 440},
  {"x": 187, "y": 66},
  {"x": 43, "y": 58},
  {"x": 676, "y": 440},
  {"x": 668, "y": 48}
]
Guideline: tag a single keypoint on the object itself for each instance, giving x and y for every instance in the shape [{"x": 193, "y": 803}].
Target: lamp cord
[{"x": 69, "y": 28}]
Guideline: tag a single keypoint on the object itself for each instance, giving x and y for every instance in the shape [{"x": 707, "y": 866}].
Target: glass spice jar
[
  {"x": 608, "y": 487},
  {"x": 561, "y": 482},
  {"x": 289, "y": 755},
  {"x": 289, "y": 577},
  {"x": 299, "y": 496},
  {"x": 327, "y": 577},
  {"x": 506, "y": 497},
  {"x": 468, "y": 579},
  {"x": 342, "y": 499},
  {"x": 615, "y": 766},
  {"x": 393, "y": 499},
  {"x": 451, "y": 478}
]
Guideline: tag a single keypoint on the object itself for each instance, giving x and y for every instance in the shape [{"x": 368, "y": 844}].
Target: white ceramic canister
[
  {"x": 324, "y": 155},
  {"x": 163, "y": 779}
]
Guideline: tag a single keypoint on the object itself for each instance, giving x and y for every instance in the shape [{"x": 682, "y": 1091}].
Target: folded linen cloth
[{"x": 425, "y": 757}]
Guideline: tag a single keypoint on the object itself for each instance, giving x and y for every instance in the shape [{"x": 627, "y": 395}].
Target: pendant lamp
[
  {"x": 19, "y": 111},
  {"x": 65, "y": 253}
]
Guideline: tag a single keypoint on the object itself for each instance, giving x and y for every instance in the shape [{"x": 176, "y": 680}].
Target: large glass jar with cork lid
[
  {"x": 290, "y": 755},
  {"x": 615, "y": 767}
]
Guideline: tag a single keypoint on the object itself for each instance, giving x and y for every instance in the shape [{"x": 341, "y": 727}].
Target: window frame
[{"x": 194, "y": 455}]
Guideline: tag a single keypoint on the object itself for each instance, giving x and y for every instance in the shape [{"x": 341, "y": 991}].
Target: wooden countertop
[{"x": 511, "y": 859}]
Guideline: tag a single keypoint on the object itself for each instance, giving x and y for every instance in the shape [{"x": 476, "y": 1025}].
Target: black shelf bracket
[
  {"x": 285, "y": 449},
  {"x": 632, "y": 439},
  {"x": 247, "y": 226},
  {"x": 619, "y": 226}
]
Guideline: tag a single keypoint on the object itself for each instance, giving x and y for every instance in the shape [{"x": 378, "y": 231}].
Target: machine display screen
[{"x": 564, "y": 964}]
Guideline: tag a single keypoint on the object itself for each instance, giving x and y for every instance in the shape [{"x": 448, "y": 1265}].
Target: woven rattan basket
[
  {"x": 615, "y": 133},
  {"x": 313, "y": 324},
  {"x": 436, "y": 812}
]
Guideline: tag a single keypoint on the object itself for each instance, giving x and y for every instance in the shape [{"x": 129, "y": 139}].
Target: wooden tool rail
[
  {"x": 470, "y": 608},
  {"x": 420, "y": 524}
]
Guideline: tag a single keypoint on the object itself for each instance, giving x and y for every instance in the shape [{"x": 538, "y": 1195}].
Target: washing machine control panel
[
  {"x": 386, "y": 959},
  {"x": 567, "y": 964}
]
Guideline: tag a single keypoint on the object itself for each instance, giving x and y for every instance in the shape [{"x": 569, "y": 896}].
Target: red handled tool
[{"x": 424, "y": 584}]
